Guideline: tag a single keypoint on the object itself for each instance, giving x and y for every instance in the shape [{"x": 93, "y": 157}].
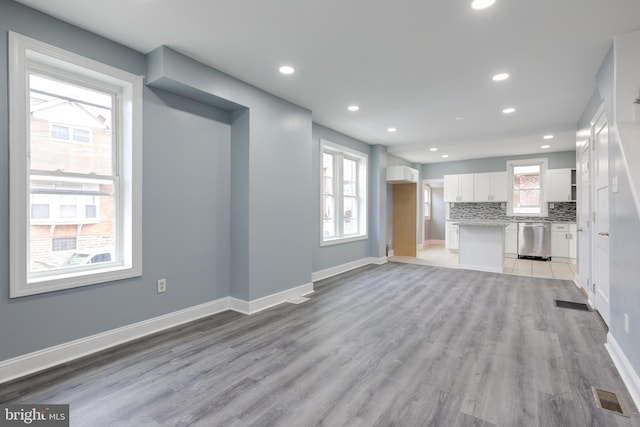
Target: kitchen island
[{"x": 481, "y": 245}]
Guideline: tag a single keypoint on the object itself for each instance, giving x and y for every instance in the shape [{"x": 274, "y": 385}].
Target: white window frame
[
  {"x": 543, "y": 163},
  {"x": 340, "y": 152},
  {"x": 426, "y": 202},
  {"x": 25, "y": 54}
]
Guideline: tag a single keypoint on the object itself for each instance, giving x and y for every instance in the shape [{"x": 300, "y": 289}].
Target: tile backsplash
[{"x": 561, "y": 212}]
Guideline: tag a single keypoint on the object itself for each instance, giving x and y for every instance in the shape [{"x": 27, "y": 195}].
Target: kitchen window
[
  {"x": 527, "y": 190},
  {"x": 83, "y": 196},
  {"x": 343, "y": 193}
]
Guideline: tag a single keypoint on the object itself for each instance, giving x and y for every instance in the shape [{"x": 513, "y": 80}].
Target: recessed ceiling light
[
  {"x": 509, "y": 110},
  {"x": 459, "y": 118},
  {"x": 353, "y": 108},
  {"x": 545, "y": 146},
  {"x": 391, "y": 129},
  {"x": 433, "y": 149},
  {"x": 500, "y": 77},
  {"x": 481, "y": 4},
  {"x": 444, "y": 156},
  {"x": 547, "y": 137},
  {"x": 287, "y": 69}
]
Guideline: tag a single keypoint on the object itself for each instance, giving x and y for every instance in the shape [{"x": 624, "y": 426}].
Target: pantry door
[{"x": 404, "y": 219}]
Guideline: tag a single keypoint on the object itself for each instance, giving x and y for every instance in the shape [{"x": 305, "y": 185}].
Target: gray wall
[
  {"x": 332, "y": 255},
  {"x": 557, "y": 160},
  {"x": 188, "y": 247},
  {"x": 274, "y": 250},
  {"x": 438, "y": 214},
  {"x": 624, "y": 227}
]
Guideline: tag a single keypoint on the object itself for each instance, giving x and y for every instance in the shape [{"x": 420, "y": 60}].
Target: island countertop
[{"x": 480, "y": 223}]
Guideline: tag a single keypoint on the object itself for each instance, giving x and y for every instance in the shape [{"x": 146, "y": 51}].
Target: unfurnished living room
[{"x": 301, "y": 213}]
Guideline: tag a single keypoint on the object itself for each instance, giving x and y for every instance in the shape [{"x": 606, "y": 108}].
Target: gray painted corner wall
[
  {"x": 624, "y": 227},
  {"x": 239, "y": 205},
  {"x": 277, "y": 249},
  {"x": 188, "y": 247},
  {"x": 378, "y": 201},
  {"x": 557, "y": 160},
  {"x": 624, "y": 222}
]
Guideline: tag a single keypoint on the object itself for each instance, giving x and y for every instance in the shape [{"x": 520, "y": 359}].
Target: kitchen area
[
  {"x": 474, "y": 201},
  {"x": 480, "y": 228}
]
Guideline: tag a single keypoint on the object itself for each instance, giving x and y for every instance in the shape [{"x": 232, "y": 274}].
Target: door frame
[
  {"x": 599, "y": 121},
  {"x": 583, "y": 235}
]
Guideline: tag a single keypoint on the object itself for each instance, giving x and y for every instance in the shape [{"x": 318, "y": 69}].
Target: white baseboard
[
  {"x": 343, "y": 268},
  {"x": 628, "y": 374},
  {"x": 30, "y": 363},
  {"x": 391, "y": 252},
  {"x": 256, "y": 305},
  {"x": 48, "y": 357}
]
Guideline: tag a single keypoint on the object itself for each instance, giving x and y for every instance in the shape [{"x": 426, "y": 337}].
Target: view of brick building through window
[
  {"x": 70, "y": 143},
  {"x": 526, "y": 189}
]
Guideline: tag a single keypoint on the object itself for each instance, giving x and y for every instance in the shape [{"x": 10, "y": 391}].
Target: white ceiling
[{"x": 411, "y": 64}]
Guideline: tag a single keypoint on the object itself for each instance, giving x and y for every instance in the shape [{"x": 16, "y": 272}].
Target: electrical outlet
[
  {"x": 626, "y": 323},
  {"x": 162, "y": 285}
]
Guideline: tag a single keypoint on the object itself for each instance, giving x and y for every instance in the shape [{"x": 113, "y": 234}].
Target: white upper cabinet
[
  {"x": 559, "y": 185},
  {"x": 401, "y": 174},
  {"x": 458, "y": 188},
  {"x": 490, "y": 187}
]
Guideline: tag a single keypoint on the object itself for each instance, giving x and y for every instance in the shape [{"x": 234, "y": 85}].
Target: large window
[
  {"x": 527, "y": 181},
  {"x": 344, "y": 191},
  {"x": 75, "y": 139}
]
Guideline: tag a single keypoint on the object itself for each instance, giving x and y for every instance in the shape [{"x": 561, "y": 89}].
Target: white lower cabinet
[
  {"x": 511, "y": 240},
  {"x": 563, "y": 241},
  {"x": 573, "y": 241},
  {"x": 452, "y": 237}
]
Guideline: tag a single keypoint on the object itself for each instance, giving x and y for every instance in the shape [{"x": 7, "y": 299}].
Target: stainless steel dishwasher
[{"x": 534, "y": 240}]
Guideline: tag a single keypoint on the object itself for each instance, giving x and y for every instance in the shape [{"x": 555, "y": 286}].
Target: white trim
[
  {"x": 362, "y": 159},
  {"x": 39, "y": 360},
  {"x": 29, "y": 54},
  {"x": 339, "y": 240},
  {"x": 52, "y": 356},
  {"x": 544, "y": 166},
  {"x": 257, "y": 305},
  {"x": 391, "y": 252},
  {"x": 343, "y": 268},
  {"x": 626, "y": 371}
]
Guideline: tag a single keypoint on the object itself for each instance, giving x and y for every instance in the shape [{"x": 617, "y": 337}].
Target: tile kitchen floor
[{"x": 437, "y": 255}]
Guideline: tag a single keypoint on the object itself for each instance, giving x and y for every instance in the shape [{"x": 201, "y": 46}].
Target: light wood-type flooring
[
  {"x": 391, "y": 345},
  {"x": 437, "y": 255}
]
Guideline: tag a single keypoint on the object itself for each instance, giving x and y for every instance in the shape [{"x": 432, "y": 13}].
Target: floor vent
[
  {"x": 572, "y": 305},
  {"x": 608, "y": 401}
]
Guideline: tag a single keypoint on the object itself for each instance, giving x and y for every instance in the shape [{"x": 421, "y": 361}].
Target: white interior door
[
  {"x": 584, "y": 215},
  {"x": 601, "y": 219}
]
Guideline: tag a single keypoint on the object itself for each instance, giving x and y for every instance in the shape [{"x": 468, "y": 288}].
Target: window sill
[
  {"x": 340, "y": 240},
  {"x": 60, "y": 282}
]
